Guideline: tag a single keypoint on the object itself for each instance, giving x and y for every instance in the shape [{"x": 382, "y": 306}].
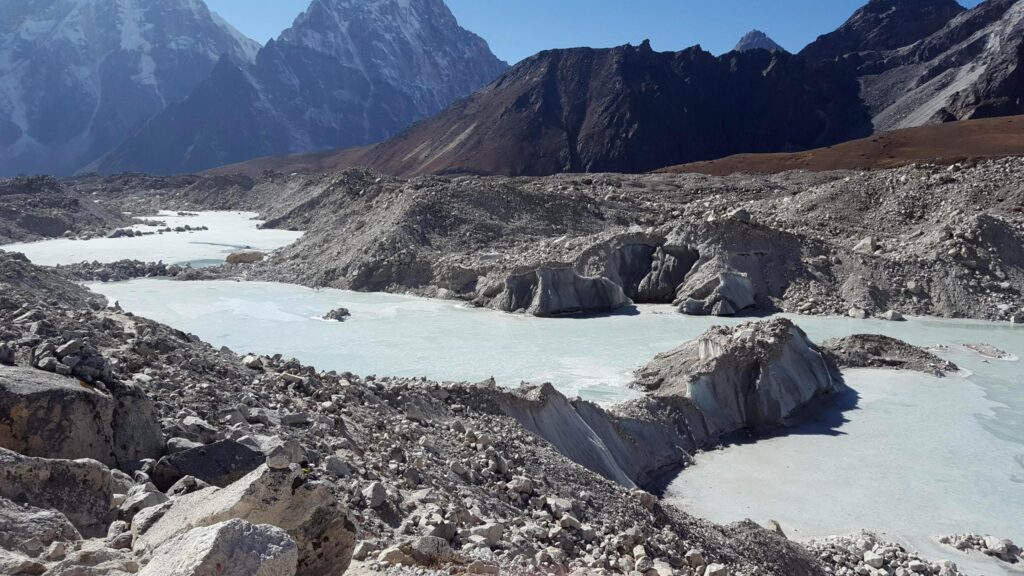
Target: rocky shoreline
[
  {"x": 391, "y": 471},
  {"x": 919, "y": 240}
]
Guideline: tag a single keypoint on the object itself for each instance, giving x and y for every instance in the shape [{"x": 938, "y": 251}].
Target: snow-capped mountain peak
[
  {"x": 757, "y": 40},
  {"x": 346, "y": 73},
  {"x": 77, "y": 76}
]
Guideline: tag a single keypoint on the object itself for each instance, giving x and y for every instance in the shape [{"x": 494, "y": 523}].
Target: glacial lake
[
  {"x": 906, "y": 454},
  {"x": 910, "y": 455},
  {"x": 228, "y": 232}
]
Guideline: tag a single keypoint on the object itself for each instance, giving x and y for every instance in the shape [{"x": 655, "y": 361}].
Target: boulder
[
  {"x": 139, "y": 500},
  {"x": 723, "y": 295},
  {"x": 19, "y": 565},
  {"x": 246, "y": 257},
  {"x": 81, "y": 490},
  {"x": 866, "y": 246},
  {"x": 52, "y": 416},
  {"x": 220, "y": 464},
  {"x": 559, "y": 291},
  {"x": 893, "y": 316},
  {"x": 307, "y": 511},
  {"x": 430, "y": 550},
  {"x": 20, "y": 524},
  {"x": 338, "y": 315},
  {"x": 230, "y": 548}
]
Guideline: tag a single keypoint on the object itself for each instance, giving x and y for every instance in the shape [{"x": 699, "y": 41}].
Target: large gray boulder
[
  {"x": 81, "y": 490},
  {"x": 755, "y": 375},
  {"x": 220, "y": 464},
  {"x": 21, "y": 524},
  {"x": 307, "y": 511},
  {"x": 51, "y": 416},
  {"x": 559, "y": 291},
  {"x": 230, "y": 548},
  {"x": 722, "y": 294}
]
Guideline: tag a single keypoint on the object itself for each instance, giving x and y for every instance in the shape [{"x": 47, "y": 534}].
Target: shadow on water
[
  {"x": 624, "y": 311},
  {"x": 822, "y": 417}
]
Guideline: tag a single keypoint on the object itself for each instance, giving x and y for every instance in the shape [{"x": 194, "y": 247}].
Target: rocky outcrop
[
  {"x": 219, "y": 464},
  {"x": 877, "y": 351},
  {"x": 27, "y": 528},
  {"x": 756, "y": 375},
  {"x": 883, "y": 25},
  {"x": 231, "y": 548},
  {"x": 559, "y": 291},
  {"x": 924, "y": 62},
  {"x": 724, "y": 294},
  {"x": 245, "y": 257},
  {"x": 307, "y": 511},
  {"x": 81, "y": 490},
  {"x": 53, "y": 416}
]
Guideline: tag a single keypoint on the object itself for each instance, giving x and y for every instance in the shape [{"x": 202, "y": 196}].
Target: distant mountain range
[
  {"x": 165, "y": 86},
  {"x": 347, "y": 73},
  {"x": 78, "y": 76},
  {"x": 893, "y": 64},
  {"x": 629, "y": 109}
]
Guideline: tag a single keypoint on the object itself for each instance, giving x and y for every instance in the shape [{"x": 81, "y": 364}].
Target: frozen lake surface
[
  {"x": 228, "y": 232},
  {"x": 904, "y": 453}
]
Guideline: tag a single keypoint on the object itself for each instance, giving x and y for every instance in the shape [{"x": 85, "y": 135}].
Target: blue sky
[{"x": 516, "y": 29}]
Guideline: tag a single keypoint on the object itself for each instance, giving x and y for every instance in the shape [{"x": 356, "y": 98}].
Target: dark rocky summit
[
  {"x": 884, "y": 25},
  {"x": 347, "y": 73},
  {"x": 626, "y": 109},
  {"x": 893, "y": 64},
  {"x": 923, "y": 62}
]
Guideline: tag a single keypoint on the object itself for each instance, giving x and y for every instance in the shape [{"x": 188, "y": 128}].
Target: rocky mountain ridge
[
  {"x": 893, "y": 64},
  {"x": 626, "y": 109},
  {"x": 345, "y": 74},
  {"x": 77, "y": 77}
]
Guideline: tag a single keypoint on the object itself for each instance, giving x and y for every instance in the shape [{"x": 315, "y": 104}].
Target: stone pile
[
  {"x": 1000, "y": 548},
  {"x": 867, "y": 555}
]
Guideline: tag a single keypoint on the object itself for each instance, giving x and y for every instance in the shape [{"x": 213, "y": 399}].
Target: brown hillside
[{"x": 937, "y": 144}]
